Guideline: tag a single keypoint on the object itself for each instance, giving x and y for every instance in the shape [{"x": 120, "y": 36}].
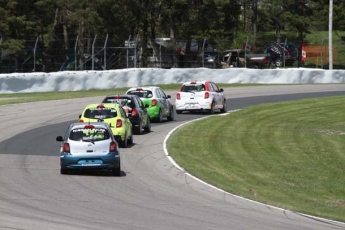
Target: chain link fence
[{"x": 97, "y": 54}]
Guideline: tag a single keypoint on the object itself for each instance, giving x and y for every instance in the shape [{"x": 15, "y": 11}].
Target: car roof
[
  {"x": 96, "y": 124},
  {"x": 144, "y": 88},
  {"x": 106, "y": 105},
  {"x": 196, "y": 82},
  {"x": 121, "y": 95}
]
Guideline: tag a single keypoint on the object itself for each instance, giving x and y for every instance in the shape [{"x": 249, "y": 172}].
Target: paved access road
[{"x": 151, "y": 194}]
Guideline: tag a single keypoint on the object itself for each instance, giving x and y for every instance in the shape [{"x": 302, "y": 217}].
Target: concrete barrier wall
[{"x": 85, "y": 80}]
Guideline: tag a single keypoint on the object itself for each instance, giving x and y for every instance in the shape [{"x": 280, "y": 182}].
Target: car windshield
[
  {"x": 141, "y": 93},
  {"x": 193, "y": 88},
  {"x": 95, "y": 134},
  {"x": 100, "y": 113},
  {"x": 124, "y": 101}
]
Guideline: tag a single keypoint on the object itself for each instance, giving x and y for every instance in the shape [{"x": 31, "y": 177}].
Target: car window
[
  {"x": 215, "y": 87},
  {"x": 100, "y": 113},
  {"x": 210, "y": 86},
  {"x": 141, "y": 93},
  {"x": 96, "y": 134},
  {"x": 193, "y": 88},
  {"x": 122, "y": 112},
  {"x": 162, "y": 93},
  {"x": 139, "y": 102}
]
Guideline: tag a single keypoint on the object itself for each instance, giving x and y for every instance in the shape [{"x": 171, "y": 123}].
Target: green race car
[{"x": 159, "y": 105}]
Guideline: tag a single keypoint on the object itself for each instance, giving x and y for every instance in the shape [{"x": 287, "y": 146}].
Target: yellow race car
[{"x": 114, "y": 115}]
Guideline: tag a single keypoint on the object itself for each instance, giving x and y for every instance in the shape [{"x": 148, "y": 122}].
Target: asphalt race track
[{"x": 151, "y": 194}]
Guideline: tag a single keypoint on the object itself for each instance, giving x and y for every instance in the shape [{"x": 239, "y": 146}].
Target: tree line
[{"x": 56, "y": 24}]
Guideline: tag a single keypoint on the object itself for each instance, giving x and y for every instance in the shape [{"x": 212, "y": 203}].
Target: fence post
[
  {"x": 105, "y": 52},
  {"x": 93, "y": 52},
  {"x": 203, "y": 52},
  {"x": 75, "y": 53},
  {"x": 34, "y": 70},
  {"x": 321, "y": 54},
  {"x": 135, "y": 52},
  {"x": 128, "y": 46}
]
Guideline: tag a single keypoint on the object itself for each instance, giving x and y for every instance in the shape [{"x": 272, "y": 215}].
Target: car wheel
[
  {"x": 171, "y": 115},
  {"x": 178, "y": 111},
  {"x": 278, "y": 62},
  {"x": 130, "y": 141},
  {"x": 63, "y": 171},
  {"x": 212, "y": 109},
  {"x": 125, "y": 142},
  {"x": 160, "y": 116},
  {"x": 117, "y": 171},
  {"x": 139, "y": 130},
  {"x": 224, "y": 109},
  {"x": 148, "y": 125}
]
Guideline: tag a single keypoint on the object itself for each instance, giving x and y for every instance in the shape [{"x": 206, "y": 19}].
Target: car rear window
[
  {"x": 124, "y": 101},
  {"x": 141, "y": 93},
  {"x": 192, "y": 88},
  {"x": 96, "y": 134},
  {"x": 100, "y": 113}
]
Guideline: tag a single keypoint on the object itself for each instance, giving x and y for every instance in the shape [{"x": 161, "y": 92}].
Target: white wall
[{"x": 85, "y": 80}]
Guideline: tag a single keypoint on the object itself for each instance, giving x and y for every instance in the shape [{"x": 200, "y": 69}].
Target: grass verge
[
  {"x": 46, "y": 96},
  {"x": 290, "y": 155}
]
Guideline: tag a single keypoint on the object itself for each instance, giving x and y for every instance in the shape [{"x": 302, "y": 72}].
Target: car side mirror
[
  {"x": 221, "y": 90},
  {"x": 79, "y": 115},
  {"x": 146, "y": 105},
  {"x": 59, "y": 138},
  {"x": 168, "y": 96}
]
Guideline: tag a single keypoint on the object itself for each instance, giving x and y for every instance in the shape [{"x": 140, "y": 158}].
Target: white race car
[{"x": 200, "y": 96}]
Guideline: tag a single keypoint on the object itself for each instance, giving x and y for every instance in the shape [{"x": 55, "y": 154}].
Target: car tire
[
  {"x": 116, "y": 171},
  {"x": 124, "y": 143},
  {"x": 63, "y": 171},
  {"x": 130, "y": 141},
  {"x": 224, "y": 109},
  {"x": 179, "y": 111},
  {"x": 148, "y": 126},
  {"x": 172, "y": 114},
  {"x": 278, "y": 62},
  {"x": 211, "y": 111},
  {"x": 139, "y": 130},
  {"x": 160, "y": 116}
]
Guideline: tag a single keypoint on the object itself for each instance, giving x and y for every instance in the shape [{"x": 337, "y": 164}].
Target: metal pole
[
  {"x": 135, "y": 52},
  {"x": 330, "y": 34},
  {"x": 284, "y": 51},
  {"x": 105, "y": 53},
  {"x": 160, "y": 53},
  {"x": 128, "y": 43},
  {"x": 245, "y": 54},
  {"x": 203, "y": 52},
  {"x": 321, "y": 54},
  {"x": 93, "y": 52},
  {"x": 35, "y": 55},
  {"x": 75, "y": 53}
]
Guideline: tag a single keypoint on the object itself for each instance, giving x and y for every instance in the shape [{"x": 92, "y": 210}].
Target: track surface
[{"x": 151, "y": 194}]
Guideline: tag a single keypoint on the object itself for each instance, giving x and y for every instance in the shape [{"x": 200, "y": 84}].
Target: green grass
[{"x": 290, "y": 155}]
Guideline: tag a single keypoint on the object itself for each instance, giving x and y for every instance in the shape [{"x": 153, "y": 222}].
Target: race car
[
  {"x": 200, "y": 96},
  {"x": 157, "y": 102},
  {"x": 135, "y": 109},
  {"x": 114, "y": 116},
  {"x": 89, "y": 146}
]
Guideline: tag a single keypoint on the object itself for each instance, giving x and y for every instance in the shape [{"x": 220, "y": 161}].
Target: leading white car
[{"x": 200, "y": 96}]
